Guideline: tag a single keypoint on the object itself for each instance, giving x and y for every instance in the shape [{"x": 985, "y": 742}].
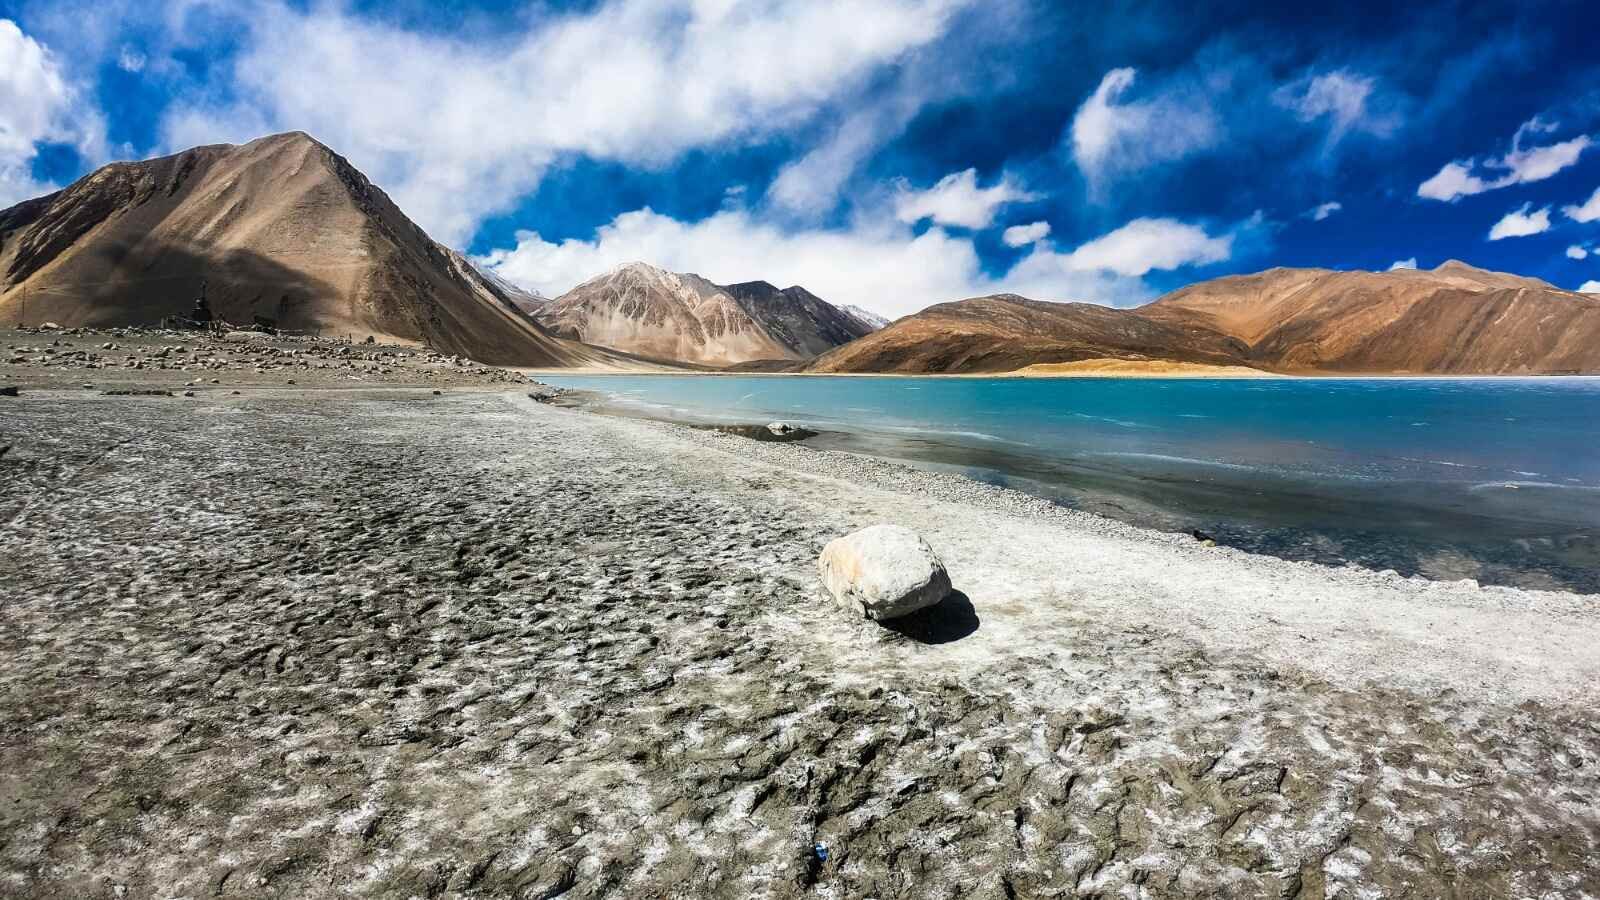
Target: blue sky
[{"x": 893, "y": 153}]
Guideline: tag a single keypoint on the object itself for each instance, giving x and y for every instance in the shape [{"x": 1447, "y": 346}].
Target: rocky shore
[{"x": 380, "y": 641}]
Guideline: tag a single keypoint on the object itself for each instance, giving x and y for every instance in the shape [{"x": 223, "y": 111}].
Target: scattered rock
[
  {"x": 780, "y": 428},
  {"x": 883, "y": 572}
]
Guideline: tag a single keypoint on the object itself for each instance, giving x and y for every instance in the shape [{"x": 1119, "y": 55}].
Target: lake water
[{"x": 1494, "y": 479}]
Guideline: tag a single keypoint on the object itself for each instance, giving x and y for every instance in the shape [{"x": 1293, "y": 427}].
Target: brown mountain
[
  {"x": 281, "y": 227},
  {"x": 1005, "y": 332},
  {"x": 641, "y": 309},
  {"x": 1455, "y": 319}
]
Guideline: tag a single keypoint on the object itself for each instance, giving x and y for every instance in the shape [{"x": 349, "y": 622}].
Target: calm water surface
[{"x": 1494, "y": 479}]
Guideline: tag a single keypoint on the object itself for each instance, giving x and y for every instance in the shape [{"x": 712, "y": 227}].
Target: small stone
[
  {"x": 883, "y": 572},
  {"x": 8, "y": 391}
]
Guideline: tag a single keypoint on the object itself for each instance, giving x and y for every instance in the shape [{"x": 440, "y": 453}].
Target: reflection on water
[{"x": 1494, "y": 479}]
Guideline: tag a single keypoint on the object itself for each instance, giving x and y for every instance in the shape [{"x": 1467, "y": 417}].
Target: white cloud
[
  {"x": 1521, "y": 223},
  {"x": 1587, "y": 212},
  {"x": 876, "y": 263},
  {"x": 1342, "y": 97},
  {"x": 1521, "y": 165},
  {"x": 1110, "y": 136},
  {"x": 37, "y": 105},
  {"x": 957, "y": 200},
  {"x": 130, "y": 59},
  {"x": 1577, "y": 252},
  {"x": 1403, "y": 264},
  {"x": 1145, "y": 244},
  {"x": 1318, "y": 213},
  {"x": 462, "y": 130},
  {"x": 1023, "y": 235},
  {"x": 1590, "y": 287},
  {"x": 1454, "y": 180}
]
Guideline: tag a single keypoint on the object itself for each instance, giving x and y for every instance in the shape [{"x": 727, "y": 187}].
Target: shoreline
[{"x": 536, "y": 372}]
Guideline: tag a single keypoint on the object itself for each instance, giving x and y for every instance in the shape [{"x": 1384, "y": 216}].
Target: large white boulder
[{"x": 883, "y": 572}]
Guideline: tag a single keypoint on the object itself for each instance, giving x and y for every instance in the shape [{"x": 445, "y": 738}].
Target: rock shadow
[{"x": 951, "y": 619}]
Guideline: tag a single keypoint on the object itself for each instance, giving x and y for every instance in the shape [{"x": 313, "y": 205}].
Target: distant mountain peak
[{"x": 641, "y": 308}]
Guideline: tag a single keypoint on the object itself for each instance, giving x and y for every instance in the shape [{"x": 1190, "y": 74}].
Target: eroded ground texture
[{"x": 397, "y": 644}]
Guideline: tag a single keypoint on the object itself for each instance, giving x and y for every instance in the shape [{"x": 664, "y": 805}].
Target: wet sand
[{"x": 305, "y": 642}]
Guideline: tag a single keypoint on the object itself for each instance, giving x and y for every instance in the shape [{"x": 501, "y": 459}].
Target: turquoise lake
[{"x": 1493, "y": 479}]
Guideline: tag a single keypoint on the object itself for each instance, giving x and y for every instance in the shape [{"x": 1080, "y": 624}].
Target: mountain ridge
[
  {"x": 1455, "y": 319},
  {"x": 640, "y": 308}
]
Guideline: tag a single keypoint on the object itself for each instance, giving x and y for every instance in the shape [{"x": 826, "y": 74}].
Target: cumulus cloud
[
  {"x": 1318, "y": 213},
  {"x": 1344, "y": 99},
  {"x": 1111, "y": 134},
  {"x": 1590, "y": 287},
  {"x": 878, "y": 263},
  {"x": 1403, "y": 264},
  {"x": 1023, "y": 235},
  {"x": 462, "y": 130},
  {"x": 1588, "y": 211},
  {"x": 957, "y": 200},
  {"x": 1577, "y": 252},
  {"x": 1145, "y": 244},
  {"x": 1521, "y": 165},
  {"x": 37, "y": 105},
  {"x": 1521, "y": 223}
]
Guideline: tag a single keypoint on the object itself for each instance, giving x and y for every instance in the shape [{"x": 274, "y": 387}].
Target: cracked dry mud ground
[{"x": 346, "y": 645}]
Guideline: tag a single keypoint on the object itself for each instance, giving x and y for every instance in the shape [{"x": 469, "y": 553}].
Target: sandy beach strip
[{"x": 303, "y": 643}]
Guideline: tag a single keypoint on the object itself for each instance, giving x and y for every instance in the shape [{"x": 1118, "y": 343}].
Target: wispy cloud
[
  {"x": 1344, "y": 99},
  {"x": 1403, "y": 264},
  {"x": 1521, "y": 165},
  {"x": 1113, "y": 134},
  {"x": 1577, "y": 252}
]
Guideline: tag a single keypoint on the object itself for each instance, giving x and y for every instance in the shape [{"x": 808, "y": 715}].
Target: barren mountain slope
[
  {"x": 1006, "y": 332},
  {"x": 639, "y": 308},
  {"x": 800, "y": 320},
  {"x": 281, "y": 227},
  {"x": 1455, "y": 319}
]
